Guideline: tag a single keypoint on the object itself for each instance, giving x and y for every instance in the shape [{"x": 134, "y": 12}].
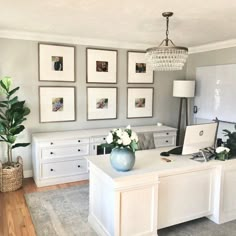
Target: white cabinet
[
  {"x": 228, "y": 193},
  {"x": 164, "y": 139},
  {"x": 185, "y": 196},
  {"x": 60, "y": 157}
]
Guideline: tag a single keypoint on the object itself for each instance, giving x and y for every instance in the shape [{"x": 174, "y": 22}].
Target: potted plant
[
  {"x": 231, "y": 141},
  {"x": 12, "y": 115},
  {"x": 124, "y": 143}
]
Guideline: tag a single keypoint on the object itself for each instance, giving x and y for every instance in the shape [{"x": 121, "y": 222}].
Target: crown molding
[
  {"x": 213, "y": 46},
  {"x": 40, "y": 37}
]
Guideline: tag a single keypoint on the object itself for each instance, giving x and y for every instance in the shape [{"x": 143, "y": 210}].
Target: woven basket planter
[{"x": 11, "y": 178}]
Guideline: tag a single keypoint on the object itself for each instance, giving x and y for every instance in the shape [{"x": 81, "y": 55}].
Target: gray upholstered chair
[{"x": 146, "y": 141}]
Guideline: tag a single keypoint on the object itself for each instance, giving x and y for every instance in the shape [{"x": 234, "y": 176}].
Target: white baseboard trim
[
  {"x": 28, "y": 173},
  {"x": 97, "y": 226}
]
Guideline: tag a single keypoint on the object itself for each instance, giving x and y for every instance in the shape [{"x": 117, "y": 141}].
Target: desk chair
[{"x": 146, "y": 141}]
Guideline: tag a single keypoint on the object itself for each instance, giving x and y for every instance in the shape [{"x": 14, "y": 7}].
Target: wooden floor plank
[{"x": 15, "y": 219}]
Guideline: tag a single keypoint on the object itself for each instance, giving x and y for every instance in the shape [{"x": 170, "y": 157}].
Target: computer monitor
[{"x": 198, "y": 137}]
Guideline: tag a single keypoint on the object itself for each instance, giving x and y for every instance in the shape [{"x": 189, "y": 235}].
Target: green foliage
[
  {"x": 231, "y": 141},
  {"x": 12, "y": 115}
]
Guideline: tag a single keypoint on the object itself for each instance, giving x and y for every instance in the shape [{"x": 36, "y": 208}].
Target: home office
[{"x": 20, "y": 59}]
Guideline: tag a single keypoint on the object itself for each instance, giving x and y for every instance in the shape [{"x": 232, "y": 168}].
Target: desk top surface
[{"x": 150, "y": 161}]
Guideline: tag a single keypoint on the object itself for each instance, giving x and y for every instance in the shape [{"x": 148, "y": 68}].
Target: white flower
[
  {"x": 119, "y": 141},
  {"x": 134, "y": 136},
  {"x": 109, "y": 138},
  {"x": 119, "y": 133},
  {"x": 128, "y": 127},
  {"x": 222, "y": 149},
  {"x": 125, "y": 139}
]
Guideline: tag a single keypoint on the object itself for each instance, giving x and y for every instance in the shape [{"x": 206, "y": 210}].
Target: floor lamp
[{"x": 183, "y": 89}]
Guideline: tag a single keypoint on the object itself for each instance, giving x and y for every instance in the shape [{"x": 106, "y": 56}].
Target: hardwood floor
[{"x": 15, "y": 218}]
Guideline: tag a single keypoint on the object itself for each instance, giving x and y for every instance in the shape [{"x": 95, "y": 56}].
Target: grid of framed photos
[{"x": 57, "y": 103}]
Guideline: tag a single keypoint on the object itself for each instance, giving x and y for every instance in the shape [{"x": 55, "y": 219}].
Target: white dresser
[{"x": 60, "y": 157}]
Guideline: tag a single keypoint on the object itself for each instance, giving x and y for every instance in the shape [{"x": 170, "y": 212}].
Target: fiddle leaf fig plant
[{"x": 12, "y": 115}]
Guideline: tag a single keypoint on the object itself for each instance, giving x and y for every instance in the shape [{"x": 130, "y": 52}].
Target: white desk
[{"x": 158, "y": 194}]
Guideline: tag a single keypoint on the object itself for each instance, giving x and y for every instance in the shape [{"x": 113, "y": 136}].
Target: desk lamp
[{"x": 183, "y": 89}]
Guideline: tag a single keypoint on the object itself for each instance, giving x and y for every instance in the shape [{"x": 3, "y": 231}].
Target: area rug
[{"x": 62, "y": 212}]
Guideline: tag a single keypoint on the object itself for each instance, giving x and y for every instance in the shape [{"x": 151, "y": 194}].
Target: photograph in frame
[
  {"x": 101, "y": 66},
  {"x": 101, "y": 103},
  {"x": 139, "y": 102},
  {"x": 139, "y": 72},
  {"x": 57, "y": 104},
  {"x": 56, "y": 63}
]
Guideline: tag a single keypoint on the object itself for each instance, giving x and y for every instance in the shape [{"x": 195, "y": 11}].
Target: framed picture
[
  {"x": 140, "y": 102},
  {"x": 101, "y": 66},
  {"x": 101, "y": 103},
  {"x": 56, "y": 104},
  {"x": 56, "y": 63},
  {"x": 138, "y": 70}
]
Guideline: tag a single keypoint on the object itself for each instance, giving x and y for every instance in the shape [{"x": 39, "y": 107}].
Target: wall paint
[
  {"x": 19, "y": 59},
  {"x": 217, "y": 57}
]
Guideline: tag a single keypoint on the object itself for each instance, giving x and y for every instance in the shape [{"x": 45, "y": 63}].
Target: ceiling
[{"x": 195, "y": 22}]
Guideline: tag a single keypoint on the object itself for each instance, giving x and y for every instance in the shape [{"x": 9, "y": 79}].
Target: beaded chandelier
[{"x": 167, "y": 56}]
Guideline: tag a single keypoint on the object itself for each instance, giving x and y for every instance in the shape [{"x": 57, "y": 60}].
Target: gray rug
[
  {"x": 64, "y": 212},
  {"x": 61, "y": 212}
]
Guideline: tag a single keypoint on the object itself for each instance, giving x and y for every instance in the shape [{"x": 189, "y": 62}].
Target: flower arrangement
[
  {"x": 222, "y": 153},
  {"x": 122, "y": 138}
]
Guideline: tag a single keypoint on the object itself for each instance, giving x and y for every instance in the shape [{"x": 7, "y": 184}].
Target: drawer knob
[
  {"x": 104, "y": 138},
  {"x": 78, "y": 166},
  {"x": 51, "y": 153},
  {"x": 78, "y": 150},
  {"x": 51, "y": 170},
  {"x": 78, "y": 141},
  {"x": 167, "y": 133},
  {"x": 167, "y": 141},
  {"x": 51, "y": 143}
]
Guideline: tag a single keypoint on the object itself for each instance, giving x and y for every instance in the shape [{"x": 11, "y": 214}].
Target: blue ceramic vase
[{"x": 122, "y": 159}]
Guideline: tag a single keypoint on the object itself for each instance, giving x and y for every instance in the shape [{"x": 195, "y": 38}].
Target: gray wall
[
  {"x": 217, "y": 57},
  {"x": 19, "y": 59}
]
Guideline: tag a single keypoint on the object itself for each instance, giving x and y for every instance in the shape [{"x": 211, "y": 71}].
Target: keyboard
[{"x": 176, "y": 150}]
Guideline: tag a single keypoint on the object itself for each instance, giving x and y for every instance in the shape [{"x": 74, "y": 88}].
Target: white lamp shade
[{"x": 184, "y": 88}]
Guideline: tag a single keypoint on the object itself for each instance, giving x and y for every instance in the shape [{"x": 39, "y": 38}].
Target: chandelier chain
[{"x": 167, "y": 30}]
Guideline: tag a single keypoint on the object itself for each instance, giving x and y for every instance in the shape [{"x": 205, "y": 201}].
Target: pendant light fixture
[{"x": 167, "y": 56}]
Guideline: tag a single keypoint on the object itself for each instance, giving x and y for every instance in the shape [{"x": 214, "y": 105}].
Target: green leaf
[
  {"x": 7, "y": 81},
  {"x": 20, "y": 145},
  {"x": 13, "y": 100},
  {"x": 13, "y": 91},
  {"x": 11, "y": 138},
  {"x": 18, "y": 105},
  {"x": 17, "y": 130},
  {"x": 2, "y": 104},
  {"x": 3, "y": 85},
  {"x": 26, "y": 111}
]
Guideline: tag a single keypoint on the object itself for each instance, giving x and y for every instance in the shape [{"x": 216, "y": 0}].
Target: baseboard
[{"x": 28, "y": 173}]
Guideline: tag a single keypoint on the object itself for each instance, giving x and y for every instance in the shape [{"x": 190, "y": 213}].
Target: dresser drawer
[
  {"x": 165, "y": 134},
  {"x": 64, "y": 168},
  {"x": 101, "y": 139},
  {"x": 164, "y": 141},
  {"x": 69, "y": 151},
  {"x": 64, "y": 142}
]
